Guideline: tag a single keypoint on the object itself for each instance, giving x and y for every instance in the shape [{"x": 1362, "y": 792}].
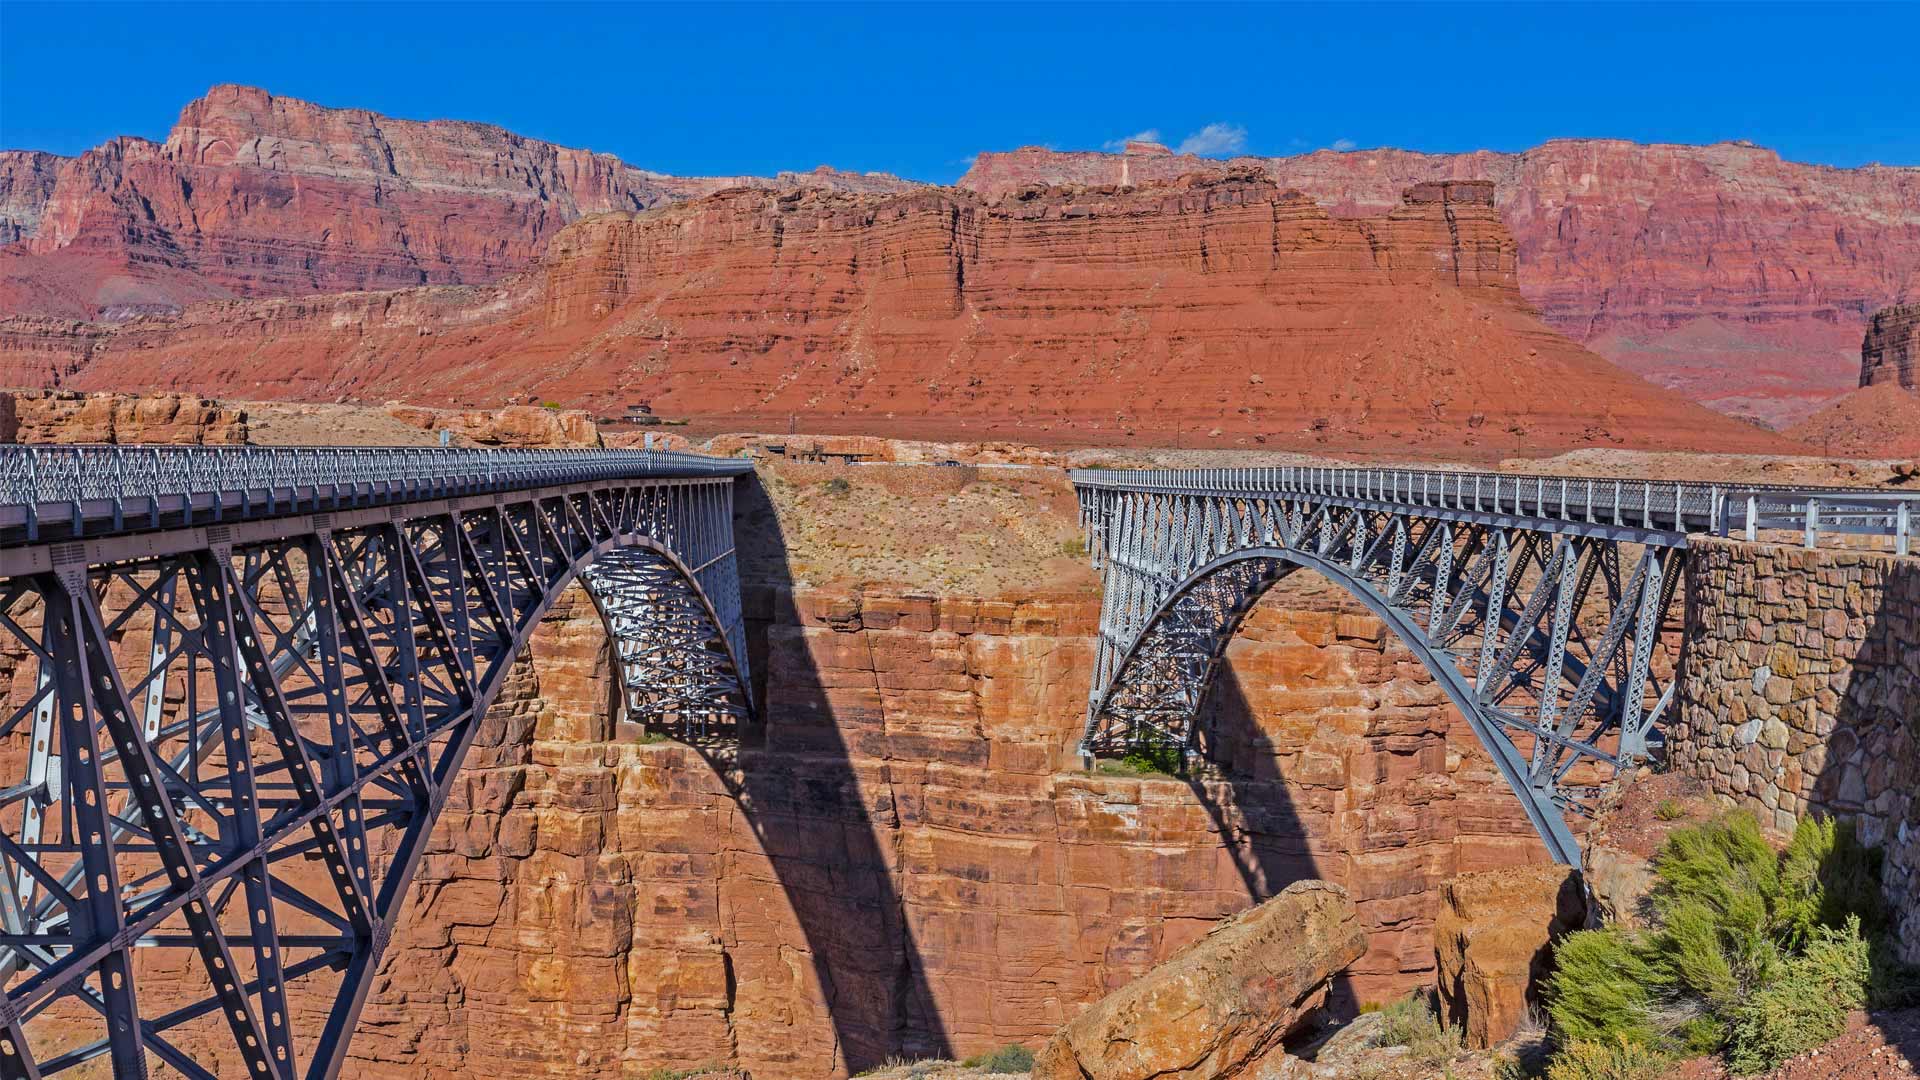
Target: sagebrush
[{"x": 1755, "y": 955}]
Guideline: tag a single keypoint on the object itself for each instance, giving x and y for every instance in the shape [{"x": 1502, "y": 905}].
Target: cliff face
[
  {"x": 909, "y": 863},
  {"x": 1221, "y": 305},
  {"x": 26, "y": 183},
  {"x": 1891, "y": 351},
  {"x": 1721, "y": 270},
  {"x": 256, "y": 195}
]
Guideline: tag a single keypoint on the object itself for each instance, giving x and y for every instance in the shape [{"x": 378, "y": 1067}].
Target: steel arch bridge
[
  {"x": 243, "y": 681},
  {"x": 1543, "y": 606}
]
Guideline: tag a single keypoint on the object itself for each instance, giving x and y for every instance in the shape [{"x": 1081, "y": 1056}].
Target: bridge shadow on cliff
[
  {"x": 1261, "y": 825},
  {"x": 811, "y": 780}
]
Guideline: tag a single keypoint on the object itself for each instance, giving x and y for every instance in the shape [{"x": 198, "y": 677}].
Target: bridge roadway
[{"x": 244, "y": 679}]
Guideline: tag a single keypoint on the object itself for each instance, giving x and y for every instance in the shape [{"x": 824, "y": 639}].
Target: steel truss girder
[
  {"x": 238, "y": 739},
  {"x": 1563, "y": 681}
]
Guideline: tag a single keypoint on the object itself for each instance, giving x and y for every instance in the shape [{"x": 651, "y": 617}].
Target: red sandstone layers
[
  {"x": 909, "y": 864},
  {"x": 1220, "y": 311},
  {"x": 1723, "y": 271},
  {"x": 257, "y": 195}
]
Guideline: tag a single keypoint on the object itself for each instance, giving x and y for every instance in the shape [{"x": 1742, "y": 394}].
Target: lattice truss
[
  {"x": 1559, "y": 647},
  {"x": 220, "y": 766}
]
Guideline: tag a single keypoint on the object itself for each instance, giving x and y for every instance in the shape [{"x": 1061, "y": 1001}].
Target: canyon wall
[
  {"x": 906, "y": 860},
  {"x": 1722, "y": 271},
  {"x": 1802, "y": 694},
  {"x": 1218, "y": 310},
  {"x": 256, "y": 195},
  {"x": 1891, "y": 351}
]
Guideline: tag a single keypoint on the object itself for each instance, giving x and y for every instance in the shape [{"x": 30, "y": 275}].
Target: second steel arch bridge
[{"x": 1544, "y": 606}]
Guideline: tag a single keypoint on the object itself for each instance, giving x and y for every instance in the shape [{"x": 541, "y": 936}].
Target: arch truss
[
  {"x": 1545, "y": 608},
  {"x": 226, "y": 743}
]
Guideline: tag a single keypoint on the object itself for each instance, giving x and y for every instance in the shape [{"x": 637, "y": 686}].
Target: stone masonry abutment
[{"x": 1802, "y": 694}]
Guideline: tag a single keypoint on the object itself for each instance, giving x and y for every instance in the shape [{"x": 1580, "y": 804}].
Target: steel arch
[
  {"x": 213, "y": 709},
  {"x": 1522, "y": 607},
  {"x": 1553, "y": 830}
]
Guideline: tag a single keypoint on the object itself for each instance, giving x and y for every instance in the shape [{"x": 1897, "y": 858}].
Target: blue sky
[{"x": 916, "y": 89}]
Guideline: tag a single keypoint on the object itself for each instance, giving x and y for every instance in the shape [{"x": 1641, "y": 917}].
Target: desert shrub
[
  {"x": 1756, "y": 954},
  {"x": 1011, "y": 1058},
  {"x": 1156, "y": 757},
  {"x": 1805, "y": 1005},
  {"x": 1614, "y": 1059},
  {"x": 1601, "y": 990},
  {"x": 1413, "y": 1023},
  {"x": 1670, "y": 810},
  {"x": 1074, "y": 547},
  {"x": 836, "y": 486}
]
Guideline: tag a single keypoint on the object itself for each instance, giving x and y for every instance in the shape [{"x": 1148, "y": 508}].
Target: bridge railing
[
  {"x": 1814, "y": 513},
  {"x": 1664, "y": 506},
  {"x": 89, "y": 484}
]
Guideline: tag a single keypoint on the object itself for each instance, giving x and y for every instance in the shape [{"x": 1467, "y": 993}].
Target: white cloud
[
  {"x": 1116, "y": 145},
  {"x": 1344, "y": 145},
  {"x": 1215, "y": 139}
]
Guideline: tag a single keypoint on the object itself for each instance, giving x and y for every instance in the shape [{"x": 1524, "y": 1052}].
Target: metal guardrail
[
  {"x": 1813, "y": 513},
  {"x": 1665, "y": 506},
  {"x": 101, "y": 488}
]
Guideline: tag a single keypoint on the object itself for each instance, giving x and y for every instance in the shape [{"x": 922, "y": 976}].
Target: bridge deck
[
  {"x": 72, "y": 492},
  {"x": 1633, "y": 508}
]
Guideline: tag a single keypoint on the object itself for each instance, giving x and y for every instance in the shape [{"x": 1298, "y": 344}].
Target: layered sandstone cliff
[
  {"x": 1220, "y": 309},
  {"x": 1890, "y": 352},
  {"x": 1723, "y": 271},
  {"x": 257, "y": 195}
]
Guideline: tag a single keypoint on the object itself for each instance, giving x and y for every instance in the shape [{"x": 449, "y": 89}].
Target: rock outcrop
[
  {"x": 257, "y": 195},
  {"x": 1891, "y": 351},
  {"x": 1723, "y": 271},
  {"x": 66, "y": 417},
  {"x": 26, "y": 183},
  {"x": 514, "y": 427},
  {"x": 1215, "y": 1009},
  {"x": 1494, "y": 939},
  {"x": 1090, "y": 316}
]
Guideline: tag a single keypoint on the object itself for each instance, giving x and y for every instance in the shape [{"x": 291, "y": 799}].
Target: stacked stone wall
[{"x": 1801, "y": 694}]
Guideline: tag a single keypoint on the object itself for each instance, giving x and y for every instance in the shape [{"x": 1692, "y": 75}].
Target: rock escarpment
[
  {"x": 257, "y": 195},
  {"x": 1891, "y": 351},
  {"x": 907, "y": 863},
  {"x": 65, "y": 417},
  {"x": 1221, "y": 308},
  {"x": 1723, "y": 271}
]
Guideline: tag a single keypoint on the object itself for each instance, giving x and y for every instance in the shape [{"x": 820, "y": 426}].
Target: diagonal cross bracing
[
  {"x": 1489, "y": 579},
  {"x": 246, "y": 706}
]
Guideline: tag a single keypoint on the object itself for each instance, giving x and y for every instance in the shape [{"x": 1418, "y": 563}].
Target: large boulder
[
  {"x": 1218, "y": 1007},
  {"x": 1493, "y": 939}
]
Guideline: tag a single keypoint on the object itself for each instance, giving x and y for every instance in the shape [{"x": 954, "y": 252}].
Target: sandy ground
[
  {"x": 280, "y": 423},
  {"x": 969, "y": 531}
]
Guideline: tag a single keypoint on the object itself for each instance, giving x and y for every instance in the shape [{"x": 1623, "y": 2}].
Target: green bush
[
  {"x": 1012, "y": 1058},
  {"x": 1805, "y": 1005},
  {"x": 1616, "y": 1059},
  {"x": 1413, "y": 1023},
  {"x": 1601, "y": 989},
  {"x": 1156, "y": 757},
  {"x": 1755, "y": 954},
  {"x": 1670, "y": 810}
]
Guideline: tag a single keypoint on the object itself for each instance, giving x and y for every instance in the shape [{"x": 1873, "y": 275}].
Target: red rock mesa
[{"x": 1722, "y": 271}]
